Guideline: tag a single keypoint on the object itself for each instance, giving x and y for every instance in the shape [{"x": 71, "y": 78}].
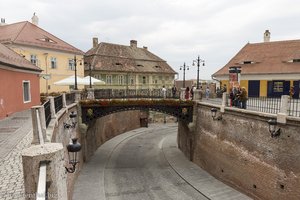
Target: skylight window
[
  {"x": 296, "y": 60},
  {"x": 140, "y": 65},
  {"x": 46, "y": 39},
  {"x": 247, "y": 62}
]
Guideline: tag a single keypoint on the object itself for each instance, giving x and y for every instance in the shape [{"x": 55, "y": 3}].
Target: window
[
  {"x": 247, "y": 62},
  {"x": 144, "y": 79},
  {"x": 26, "y": 92},
  {"x": 71, "y": 64},
  {"x": 121, "y": 80},
  {"x": 296, "y": 60},
  {"x": 278, "y": 86},
  {"x": 33, "y": 59},
  {"x": 131, "y": 81},
  {"x": 108, "y": 79},
  {"x": 53, "y": 63}
]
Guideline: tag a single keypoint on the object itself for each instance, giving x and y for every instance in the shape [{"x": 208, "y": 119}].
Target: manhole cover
[{"x": 8, "y": 129}]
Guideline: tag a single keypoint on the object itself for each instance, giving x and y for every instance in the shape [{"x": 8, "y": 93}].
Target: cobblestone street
[{"x": 12, "y": 143}]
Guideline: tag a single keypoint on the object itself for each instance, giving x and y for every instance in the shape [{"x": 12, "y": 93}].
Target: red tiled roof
[
  {"x": 10, "y": 58},
  {"x": 26, "y": 33},
  {"x": 114, "y": 57},
  {"x": 266, "y": 58}
]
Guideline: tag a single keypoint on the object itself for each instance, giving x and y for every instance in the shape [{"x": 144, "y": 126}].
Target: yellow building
[
  {"x": 268, "y": 69},
  {"x": 128, "y": 67},
  {"x": 54, "y": 56}
]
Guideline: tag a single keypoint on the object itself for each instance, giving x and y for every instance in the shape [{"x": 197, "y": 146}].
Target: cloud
[{"x": 175, "y": 30}]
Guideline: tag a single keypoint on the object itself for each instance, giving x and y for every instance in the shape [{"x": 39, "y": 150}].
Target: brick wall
[{"x": 240, "y": 151}]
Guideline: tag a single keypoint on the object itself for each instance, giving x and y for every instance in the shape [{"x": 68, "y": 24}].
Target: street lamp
[
  {"x": 75, "y": 69},
  {"x": 184, "y": 67},
  {"x": 90, "y": 72},
  {"x": 199, "y": 61}
]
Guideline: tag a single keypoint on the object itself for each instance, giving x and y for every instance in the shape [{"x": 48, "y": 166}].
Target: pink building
[{"x": 19, "y": 83}]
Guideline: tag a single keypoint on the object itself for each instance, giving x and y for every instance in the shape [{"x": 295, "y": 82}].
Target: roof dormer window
[
  {"x": 296, "y": 60},
  {"x": 140, "y": 65},
  {"x": 247, "y": 62},
  {"x": 46, "y": 39},
  {"x": 156, "y": 66},
  {"x": 118, "y": 63}
]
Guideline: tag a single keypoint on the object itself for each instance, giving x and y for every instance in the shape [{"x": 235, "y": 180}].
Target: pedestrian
[
  {"x": 292, "y": 92},
  {"x": 187, "y": 93},
  {"x": 207, "y": 91},
  {"x": 174, "y": 90},
  {"x": 164, "y": 92},
  {"x": 192, "y": 92},
  {"x": 243, "y": 98}
]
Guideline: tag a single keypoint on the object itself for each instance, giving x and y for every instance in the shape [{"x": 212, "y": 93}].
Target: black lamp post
[
  {"x": 75, "y": 69},
  {"x": 199, "y": 61},
  {"x": 184, "y": 67},
  {"x": 90, "y": 72},
  {"x": 73, "y": 148}
]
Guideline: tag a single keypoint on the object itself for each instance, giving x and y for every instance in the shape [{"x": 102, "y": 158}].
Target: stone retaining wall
[{"x": 240, "y": 151}]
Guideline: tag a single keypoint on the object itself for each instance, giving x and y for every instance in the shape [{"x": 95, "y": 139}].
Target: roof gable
[
  {"x": 114, "y": 57},
  {"x": 266, "y": 58},
  {"x": 26, "y": 33},
  {"x": 10, "y": 58}
]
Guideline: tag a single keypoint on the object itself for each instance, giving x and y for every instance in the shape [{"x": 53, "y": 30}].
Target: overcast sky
[{"x": 175, "y": 30}]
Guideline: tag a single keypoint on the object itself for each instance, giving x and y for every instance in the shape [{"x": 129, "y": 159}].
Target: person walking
[
  {"x": 174, "y": 90},
  {"x": 207, "y": 91},
  {"x": 187, "y": 93}
]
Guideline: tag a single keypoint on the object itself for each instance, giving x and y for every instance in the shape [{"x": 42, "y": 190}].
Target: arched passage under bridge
[{"x": 93, "y": 109}]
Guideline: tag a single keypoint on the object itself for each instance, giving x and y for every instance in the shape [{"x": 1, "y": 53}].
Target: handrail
[
  {"x": 41, "y": 193},
  {"x": 41, "y": 186}
]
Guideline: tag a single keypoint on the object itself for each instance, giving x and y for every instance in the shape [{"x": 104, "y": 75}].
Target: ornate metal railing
[
  {"x": 98, "y": 108},
  {"x": 132, "y": 93},
  {"x": 47, "y": 112},
  {"x": 70, "y": 98},
  {"x": 58, "y": 102}
]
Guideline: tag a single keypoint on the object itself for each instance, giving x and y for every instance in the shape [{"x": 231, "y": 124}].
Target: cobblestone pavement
[{"x": 15, "y": 135}]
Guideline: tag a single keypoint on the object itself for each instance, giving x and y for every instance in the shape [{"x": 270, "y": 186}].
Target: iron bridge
[{"x": 92, "y": 110}]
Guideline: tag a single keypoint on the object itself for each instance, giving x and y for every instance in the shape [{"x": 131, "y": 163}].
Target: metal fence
[
  {"x": 58, "y": 102},
  {"x": 263, "y": 104},
  {"x": 70, "y": 98},
  {"x": 47, "y": 112},
  {"x": 132, "y": 93}
]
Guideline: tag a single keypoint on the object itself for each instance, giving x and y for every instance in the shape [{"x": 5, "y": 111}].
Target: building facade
[
  {"x": 19, "y": 83},
  {"x": 127, "y": 67},
  {"x": 268, "y": 69},
  {"x": 54, "y": 56}
]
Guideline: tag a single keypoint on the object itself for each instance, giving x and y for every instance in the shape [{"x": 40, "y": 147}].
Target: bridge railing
[
  {"x": 263, "y": 104},
  {"x": 132, "y": 93}
]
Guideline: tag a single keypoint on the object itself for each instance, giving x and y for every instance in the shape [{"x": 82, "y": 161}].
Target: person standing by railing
[
  {"x": 292, "y": 92},
  {"x": 174, "y": 90},
  {"x": 243, "y": 98},
  {"x": 187, "y": 93}
]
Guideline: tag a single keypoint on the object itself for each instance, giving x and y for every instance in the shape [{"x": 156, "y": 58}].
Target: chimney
[
  {"x": 95, "y": 42},
  {"x": 35, "y": 19},
  {"x": 2, "y": 22},
  {"x": 146, "y": 48},
  {"x": 267, "y": 36},
  {"x": 133, "y": 43}
]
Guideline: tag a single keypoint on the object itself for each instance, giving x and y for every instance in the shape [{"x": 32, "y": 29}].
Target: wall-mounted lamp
[
  {"x": 272, "y": 128},
  {"x": 73, "y": 148},
  {"x": 214, "y": 114},
  {"x": 71, "y": 122}
]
